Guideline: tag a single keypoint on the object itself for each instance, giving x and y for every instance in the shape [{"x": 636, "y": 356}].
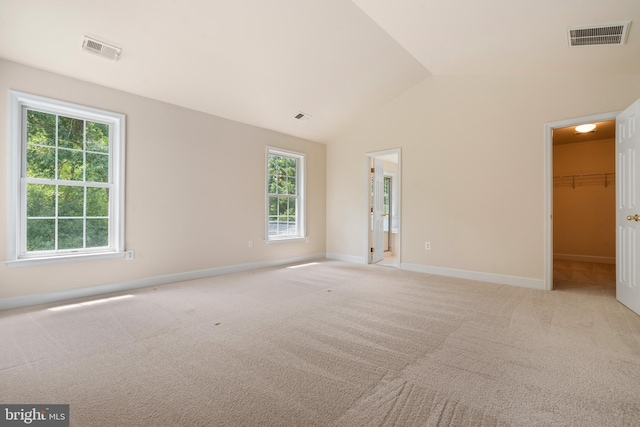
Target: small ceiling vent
[
  {"x": 303, "y": 117},
  {"x": 598, "y": 34},
  {"x": 100, "y": 48}
]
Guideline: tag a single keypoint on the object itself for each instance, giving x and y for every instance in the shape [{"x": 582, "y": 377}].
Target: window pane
[
  {"x": 273, "y": 225},
  {"x": 272, "y": 164},
  {"x": 387, "y": 189},
  {"x": 70, "y": 133},
  {"x": 41, "y": 200},
  {"x": 41, "y": 234},
  {"x": 97, "y": 167},
  {"x": 70, "y": 233},
  {"x": 273, "y": 206},
  {"x": 291, "y": 166},
  {"x": 70, "y": 201},
  {"x": 272, "y": 185},
  {"x": 291, "y": 218},
  {"x": 281, "y": 164},
  {"x": 292, "y": 207},
  {"x": 97, "y": 233},
  {"x": 283, "y": 206},
  {"x": 291, "y": 186},
  {"x": 41, "y": 128},
  {"x": 41, "y": 162},
  {"x": 97, "y": 137},
  {"x": 281, "y": 185},
  {"x": 97, "y": 201},
  {"x": 70, "y": 165}
]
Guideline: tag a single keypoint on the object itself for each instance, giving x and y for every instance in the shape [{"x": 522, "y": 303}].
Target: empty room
[{"x": 319, "y": 213}]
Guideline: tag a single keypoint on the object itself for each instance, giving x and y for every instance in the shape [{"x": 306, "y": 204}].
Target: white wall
[
  {"x": 473, "y": 168},
  {"x": 194, "y": 190}
]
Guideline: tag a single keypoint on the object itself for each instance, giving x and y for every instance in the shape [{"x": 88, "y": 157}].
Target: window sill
[
  {"x": 27, "y": 262},
  {"x": 287, "y": 239}
]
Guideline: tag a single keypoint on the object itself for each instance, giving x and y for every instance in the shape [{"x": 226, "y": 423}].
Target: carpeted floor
[{"x": 330, "y": 344}]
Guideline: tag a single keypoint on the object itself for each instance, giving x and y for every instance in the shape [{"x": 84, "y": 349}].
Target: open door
[
  {"x": 628, "y": 207},
  {"x": 377, "y": 211}
]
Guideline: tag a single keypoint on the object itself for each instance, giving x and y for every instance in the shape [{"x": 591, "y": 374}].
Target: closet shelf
[{"x": 573, "y": 181}]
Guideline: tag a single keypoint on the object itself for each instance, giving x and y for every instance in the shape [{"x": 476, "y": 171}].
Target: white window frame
[
  {"x": 301, "y": 199},
  {"x": 19, "y": 102}
]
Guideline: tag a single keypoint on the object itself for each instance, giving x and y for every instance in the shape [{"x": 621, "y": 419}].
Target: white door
[
  {"x": 628, "y": 207},
  {"x": 377, "y": 210}
]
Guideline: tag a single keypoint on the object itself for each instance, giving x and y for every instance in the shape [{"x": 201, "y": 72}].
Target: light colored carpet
[{"x": 330, "y": 344}]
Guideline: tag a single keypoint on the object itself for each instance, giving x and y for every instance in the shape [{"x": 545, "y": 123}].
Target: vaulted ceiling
[{"x": 261, "y": 62}]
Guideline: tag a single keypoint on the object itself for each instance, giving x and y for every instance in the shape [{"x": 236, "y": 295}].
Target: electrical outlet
[
  {"x": 427, "y": 246},
  {"x": 307, "y": 239},
  {"x": 250, "y": 243},
  {"x": 130, "y": 255}
]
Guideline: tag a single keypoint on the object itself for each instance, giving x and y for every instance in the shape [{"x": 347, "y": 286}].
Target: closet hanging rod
[
  {"x": 586, "y": 175},
  {"x": 585, "y": 179}
]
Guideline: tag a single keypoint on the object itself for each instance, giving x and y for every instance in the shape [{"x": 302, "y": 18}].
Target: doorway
[
  {"x": 383, "y": 208},
  {"x": 580, "y": 198},
  {"x": 584, "y": 213}
]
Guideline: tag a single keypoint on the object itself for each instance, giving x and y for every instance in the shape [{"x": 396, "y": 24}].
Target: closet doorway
[{"x": 584, "y": 208}]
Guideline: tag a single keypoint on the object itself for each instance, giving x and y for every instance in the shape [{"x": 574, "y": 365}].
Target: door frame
[
  {"x": 548, "y": 184},
  {"x": 398, "y": 195}
]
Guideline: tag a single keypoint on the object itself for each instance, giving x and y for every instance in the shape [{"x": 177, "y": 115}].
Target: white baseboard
[
  {"x": 347, "y": 258},
  {"x": 501, "y": 279},
  {"x": 90, "y": 291},
  {"x": 585, "y": 258}
]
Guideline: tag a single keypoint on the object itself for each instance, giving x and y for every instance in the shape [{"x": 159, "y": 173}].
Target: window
[
  {"x": 386, "y": 203},
  {"x": 285, "y": 195},
  {"x": 66, "y": 180}
]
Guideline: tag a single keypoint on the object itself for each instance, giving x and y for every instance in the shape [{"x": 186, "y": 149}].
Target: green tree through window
[
  {"x": 67, "y": 172},
  {"x": 284, "y": 189}
]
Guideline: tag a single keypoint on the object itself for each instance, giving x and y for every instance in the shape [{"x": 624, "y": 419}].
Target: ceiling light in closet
[{"x": 585, "y": 128}]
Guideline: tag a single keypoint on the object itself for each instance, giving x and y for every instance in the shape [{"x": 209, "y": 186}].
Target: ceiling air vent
[
  {"x": 100, "y": 48},
  {"x": 598, "y": 34},
  {"x": 303, "y": 117}
]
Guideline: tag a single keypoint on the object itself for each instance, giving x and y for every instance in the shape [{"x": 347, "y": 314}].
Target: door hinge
[
  {"x": 373, "y": 170},
  {"x": 371, "y": 250}
]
